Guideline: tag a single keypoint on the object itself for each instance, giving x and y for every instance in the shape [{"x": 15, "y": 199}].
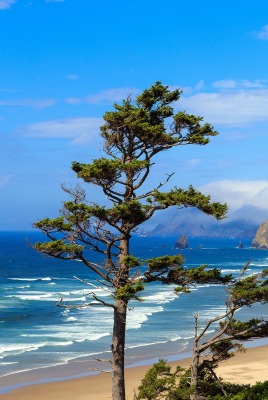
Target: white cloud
[
  {"x": 262, "y": 34},
  {"x": 239, "y": 194},
  {"x": 106, "y": 96},
  {"x": 80, "y": 130},
  {"x": 238, "y": 84},
  {"x": 232, "y": 107},
  {"x": 190, "y": 89},
  {"x": 111, "y": 95},
  {"x": 5, "y": 4},
  {"x": 73, "y": 100},
  {"x": 36, "y": 103}
]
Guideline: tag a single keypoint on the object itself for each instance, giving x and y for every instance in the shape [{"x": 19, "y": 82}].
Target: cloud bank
[
  {"x": 35, "y": 103},
  {"x": 238, "y": 194},
  {"x": 106, "y": 96},
  {"x": 80, "y": 130},
  {"x": 231, "y": 107}
]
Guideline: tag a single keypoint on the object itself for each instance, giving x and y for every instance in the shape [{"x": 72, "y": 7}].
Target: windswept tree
[
  {"x": 210, "y": 350},
  {"x": 133, "y": 133}
]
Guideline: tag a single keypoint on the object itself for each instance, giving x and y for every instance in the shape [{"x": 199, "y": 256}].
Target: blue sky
[{"x": 65, "y": 62}]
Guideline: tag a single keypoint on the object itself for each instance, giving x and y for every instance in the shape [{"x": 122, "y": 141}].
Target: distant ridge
[{"x": 236, "y": 229}]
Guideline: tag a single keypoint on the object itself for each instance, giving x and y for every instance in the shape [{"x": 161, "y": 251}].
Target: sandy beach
[{"x": 249, "y": 367}]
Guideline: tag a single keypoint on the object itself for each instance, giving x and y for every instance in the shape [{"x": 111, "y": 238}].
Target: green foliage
[
  {"x": 254, "y": 328},
  {"x": 130, "y": 261},
  {"x": 170, "y": 270},
  {"x": 259, "y": 391},
  {"x": 264, "y": 272},
  {"x": 196, "y": 134},
  {"x": 158, "y": 381},
  {"x": 156, "y": 100},
  {"x": 143, "y": 122},
  {"x": 213, "y": 275},
  {"x": 132, "y": 211},
  {"x": 56, "y": 225},
  {"x": 59, "y": 249},
  {"x": 223, "y": 350},
  {"x": 255, "y": 392},
  {"x": 129, "y": 291},
  {"x": 165, "y": 262},
  {"x": 190, "y": 198},
  {"x": 106, "y": 172},
  {"x": 249, "y": 290},
  {"x": 101, "y": 172}
]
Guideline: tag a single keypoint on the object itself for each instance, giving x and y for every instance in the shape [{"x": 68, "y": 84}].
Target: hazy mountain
[{"x": 242, "y": 223}]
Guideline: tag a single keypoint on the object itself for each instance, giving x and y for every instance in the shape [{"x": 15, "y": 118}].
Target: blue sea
[{"x": 43, "y": 341}]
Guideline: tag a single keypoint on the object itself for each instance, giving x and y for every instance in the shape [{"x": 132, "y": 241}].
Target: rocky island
[
  {"x": 182, "y": 243},
  {"x": 261, "y": 238}
]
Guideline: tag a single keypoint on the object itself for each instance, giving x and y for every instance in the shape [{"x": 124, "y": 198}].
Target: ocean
[{"x": 45, "y": 341}]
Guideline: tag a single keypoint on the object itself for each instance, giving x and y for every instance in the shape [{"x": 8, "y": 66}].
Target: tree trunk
[
  {"x": 118, "y": 350},
  {"x": 195, "y": 362},
  {"x": 194, "y": 377}
]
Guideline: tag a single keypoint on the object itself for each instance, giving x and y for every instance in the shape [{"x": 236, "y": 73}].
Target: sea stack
[
  {"x": 182, "y": 243},
  {"x": 261, "y": 239}
]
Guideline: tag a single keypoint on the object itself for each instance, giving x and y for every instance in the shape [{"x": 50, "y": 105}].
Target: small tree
[
  {"x": 158, "y": 381},
  {"x": 134, "y": 133},
  {"x": 231, "y": 332}
]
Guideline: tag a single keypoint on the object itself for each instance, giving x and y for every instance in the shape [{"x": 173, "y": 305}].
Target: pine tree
[{"x": 133, "y": 133}]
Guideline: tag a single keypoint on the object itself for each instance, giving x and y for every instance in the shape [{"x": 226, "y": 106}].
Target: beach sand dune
[{"x": 249, "y": 367}]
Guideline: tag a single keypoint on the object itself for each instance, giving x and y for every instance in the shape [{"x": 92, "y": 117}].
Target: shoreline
[
  {"x": 246, "y": 368},
  {"x": 76, "y": 370}
]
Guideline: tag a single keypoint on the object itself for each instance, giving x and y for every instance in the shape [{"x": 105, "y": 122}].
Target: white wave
[
  {"x": 23, "y": 279},
  {"x": 258, "y": 265},
  {"x": 47, "y": 297},
  {"x": 16, "y": 287},
  {"x": 141, "y": 314},
  {"x": 30, "y": 279},
  {"x": 230, "y": 270},
  {"x": 76, "y": 299},
  {"x": 174, "y": 339},
  {"x": 9, "y": 363},
  {"x": 67, "y": 343},
  {"x": 160, "y": 297},
  {"x": 71, "y": 319},
  {"x": 93, "y": 337},
  {"x": 19, "y": 348},
  {"x": 68, "y": 333}
]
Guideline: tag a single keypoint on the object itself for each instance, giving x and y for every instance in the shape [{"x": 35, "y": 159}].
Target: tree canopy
[{"x": 133, "y": 133}]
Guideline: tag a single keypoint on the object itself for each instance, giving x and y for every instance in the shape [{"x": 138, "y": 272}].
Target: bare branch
[
  {"x": 91, "y": 284},
  {"x": 100, "y": 370},
  {"x": 99, "y": 359}
]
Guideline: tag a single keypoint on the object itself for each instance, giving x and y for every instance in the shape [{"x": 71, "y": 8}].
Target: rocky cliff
[
  {"x": 182, "y": 243},
  {"x": 261, "y": 239}
]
